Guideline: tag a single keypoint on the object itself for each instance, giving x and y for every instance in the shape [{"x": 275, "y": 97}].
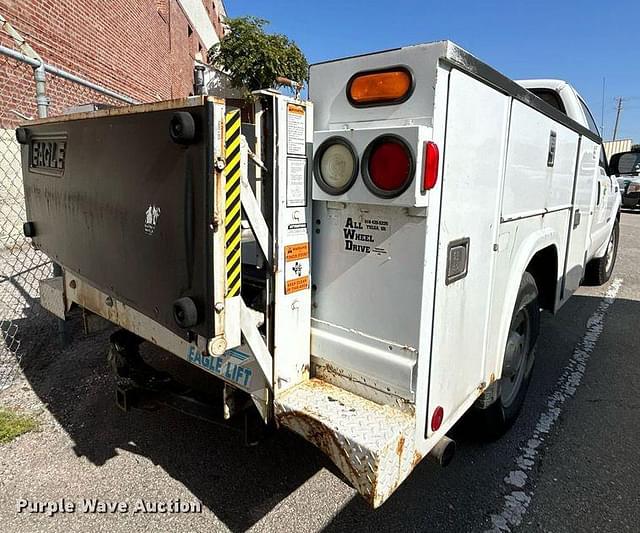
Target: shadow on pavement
[
  {"x": 243, "y": 484},
  {"x": 239, "y": 484}
]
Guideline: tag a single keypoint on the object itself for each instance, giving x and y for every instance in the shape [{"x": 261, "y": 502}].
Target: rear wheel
[
  {"x": 599, "y": 270},
  {"x": 511, "y": 389}
]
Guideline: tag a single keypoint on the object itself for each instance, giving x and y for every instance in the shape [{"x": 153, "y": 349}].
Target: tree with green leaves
[
  {"x": 254, "y": 59},
  {"x": 635, "y": 148}
]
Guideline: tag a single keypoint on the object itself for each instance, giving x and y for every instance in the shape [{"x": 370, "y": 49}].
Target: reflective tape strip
[{"x": 233, "y": 212}]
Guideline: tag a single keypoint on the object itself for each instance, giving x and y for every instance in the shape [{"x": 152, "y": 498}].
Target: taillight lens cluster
[{"x": 388, "y": 166}]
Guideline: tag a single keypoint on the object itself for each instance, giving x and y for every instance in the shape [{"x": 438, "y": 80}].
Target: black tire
[
  {"x": 599, "y": 271},
  {"x": 182, "y": 128},
  {"x": 511, "y": 388}
]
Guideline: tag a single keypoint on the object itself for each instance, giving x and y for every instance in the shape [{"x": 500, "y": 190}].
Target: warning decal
[
  {"x": 295, "y": 285},
  {"x": 296, "y": 267},
  {"x": 296, "y": 130},
  {"x": 296, "y": 182},
  {"x": 294, "y": 252}
]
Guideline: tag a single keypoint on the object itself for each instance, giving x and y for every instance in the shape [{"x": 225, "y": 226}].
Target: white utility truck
[{"x": 362, "y": 270}]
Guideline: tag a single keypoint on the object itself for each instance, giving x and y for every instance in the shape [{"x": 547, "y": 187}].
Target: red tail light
[
  {"x": 431, "y": 161},
  {"x": 388, "y": 166},
  {"x": 436, "y": 418}
]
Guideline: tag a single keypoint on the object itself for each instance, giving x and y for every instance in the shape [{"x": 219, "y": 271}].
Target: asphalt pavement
[{"x": 570, "y": 463}]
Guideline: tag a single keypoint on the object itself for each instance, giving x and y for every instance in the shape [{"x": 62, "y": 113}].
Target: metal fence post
[{"x": 41, "y": 90}]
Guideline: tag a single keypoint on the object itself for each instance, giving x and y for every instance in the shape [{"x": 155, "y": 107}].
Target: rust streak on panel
[
  {"x": 400, "y": 446},
  {"x": 417, "y": 457},
  {"x": 324, "y": 439}
]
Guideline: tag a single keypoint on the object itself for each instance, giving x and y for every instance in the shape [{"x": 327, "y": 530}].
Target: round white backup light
[{"x": 336, "y": 165}]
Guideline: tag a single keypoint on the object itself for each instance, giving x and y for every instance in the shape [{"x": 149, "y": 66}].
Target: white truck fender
[
  {"x": 522, "y": 257},
  {"x": 612, "y": 220}
]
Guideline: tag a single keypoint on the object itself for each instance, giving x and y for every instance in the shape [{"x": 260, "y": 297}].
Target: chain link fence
[{"x": 21, "y": 266}]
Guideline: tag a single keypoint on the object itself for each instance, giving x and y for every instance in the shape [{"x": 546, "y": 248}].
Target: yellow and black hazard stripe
[{"x": 233, "y": 211}]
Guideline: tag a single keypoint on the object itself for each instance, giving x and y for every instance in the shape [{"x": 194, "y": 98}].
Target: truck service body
[{"x": 399, "y": 237}]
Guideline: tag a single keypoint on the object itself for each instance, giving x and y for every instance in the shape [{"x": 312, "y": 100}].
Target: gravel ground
[{"x": 583, "y": 479}]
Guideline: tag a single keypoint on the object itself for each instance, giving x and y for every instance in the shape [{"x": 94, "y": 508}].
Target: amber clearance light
[{"x": 380, "y": 87}]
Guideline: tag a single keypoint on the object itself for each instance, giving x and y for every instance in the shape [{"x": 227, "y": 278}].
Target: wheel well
[{"x": 544, "y": 269}]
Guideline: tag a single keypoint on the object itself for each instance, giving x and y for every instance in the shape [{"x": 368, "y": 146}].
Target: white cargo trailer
[{"x": 450, "y": 205}]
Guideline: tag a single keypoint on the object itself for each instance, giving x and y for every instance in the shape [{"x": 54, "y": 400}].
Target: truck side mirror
[{"x": 624, "y": 163}]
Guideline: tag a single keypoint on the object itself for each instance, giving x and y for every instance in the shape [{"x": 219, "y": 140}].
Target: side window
[
  {"x": 550, "y": 97},
  {"x": 592, "y": 123}
]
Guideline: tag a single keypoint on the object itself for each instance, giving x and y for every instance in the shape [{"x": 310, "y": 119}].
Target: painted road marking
[{"x": 517, "y": 501}]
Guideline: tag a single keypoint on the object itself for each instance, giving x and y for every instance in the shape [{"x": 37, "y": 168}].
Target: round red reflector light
[
  {"x": 388, "y": 166},
  {"x": 436, "y": 418}
]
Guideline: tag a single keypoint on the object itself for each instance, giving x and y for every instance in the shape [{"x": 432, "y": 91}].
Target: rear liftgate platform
[{"x": 190, "y": 228}]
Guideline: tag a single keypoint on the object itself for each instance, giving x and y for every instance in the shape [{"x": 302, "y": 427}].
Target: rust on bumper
[{"x": 371, "y": 444}]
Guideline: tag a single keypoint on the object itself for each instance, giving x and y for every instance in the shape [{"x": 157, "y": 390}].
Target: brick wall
[{"x": 143, "y": 49}]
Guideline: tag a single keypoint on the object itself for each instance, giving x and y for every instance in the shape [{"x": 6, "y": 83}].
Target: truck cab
[{"x": 605, "y": 195}]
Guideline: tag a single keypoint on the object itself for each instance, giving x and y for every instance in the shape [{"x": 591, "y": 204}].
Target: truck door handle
[
  {"x": 576, "y": 218},
  {"x": 551, "y": 156}
]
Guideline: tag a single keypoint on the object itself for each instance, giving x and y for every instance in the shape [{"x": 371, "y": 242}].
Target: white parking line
[{"x": 517, "y": 501}]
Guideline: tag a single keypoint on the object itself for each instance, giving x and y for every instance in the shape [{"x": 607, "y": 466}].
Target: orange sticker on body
[
  {"x": 296, "y": 109},
  {"x": 297, "y": 284},
  {"x": 295, "y": 252}
]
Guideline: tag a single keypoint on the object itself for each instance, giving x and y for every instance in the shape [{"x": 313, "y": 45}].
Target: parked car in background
[{"x": 626, "y": 167}]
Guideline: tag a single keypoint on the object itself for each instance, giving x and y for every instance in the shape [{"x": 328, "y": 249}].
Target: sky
[{"x": 581, "y": 41}]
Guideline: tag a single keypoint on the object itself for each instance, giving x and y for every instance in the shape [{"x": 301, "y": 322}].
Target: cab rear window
[{"x": 551, "y": 97}]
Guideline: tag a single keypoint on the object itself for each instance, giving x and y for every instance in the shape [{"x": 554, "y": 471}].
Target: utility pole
[{"x": 619, "y": 100}]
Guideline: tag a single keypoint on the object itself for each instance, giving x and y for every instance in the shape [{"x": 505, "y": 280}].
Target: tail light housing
[
  {"x": 335, "y": 165},
  {"x": 388, "y": 166}
]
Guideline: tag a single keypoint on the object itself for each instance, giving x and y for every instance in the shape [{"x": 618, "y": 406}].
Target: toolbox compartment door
[{"x": 113, "y": 198}]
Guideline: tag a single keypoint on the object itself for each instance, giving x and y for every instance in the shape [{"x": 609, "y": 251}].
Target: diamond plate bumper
[{"x": 372, "y": 444}]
